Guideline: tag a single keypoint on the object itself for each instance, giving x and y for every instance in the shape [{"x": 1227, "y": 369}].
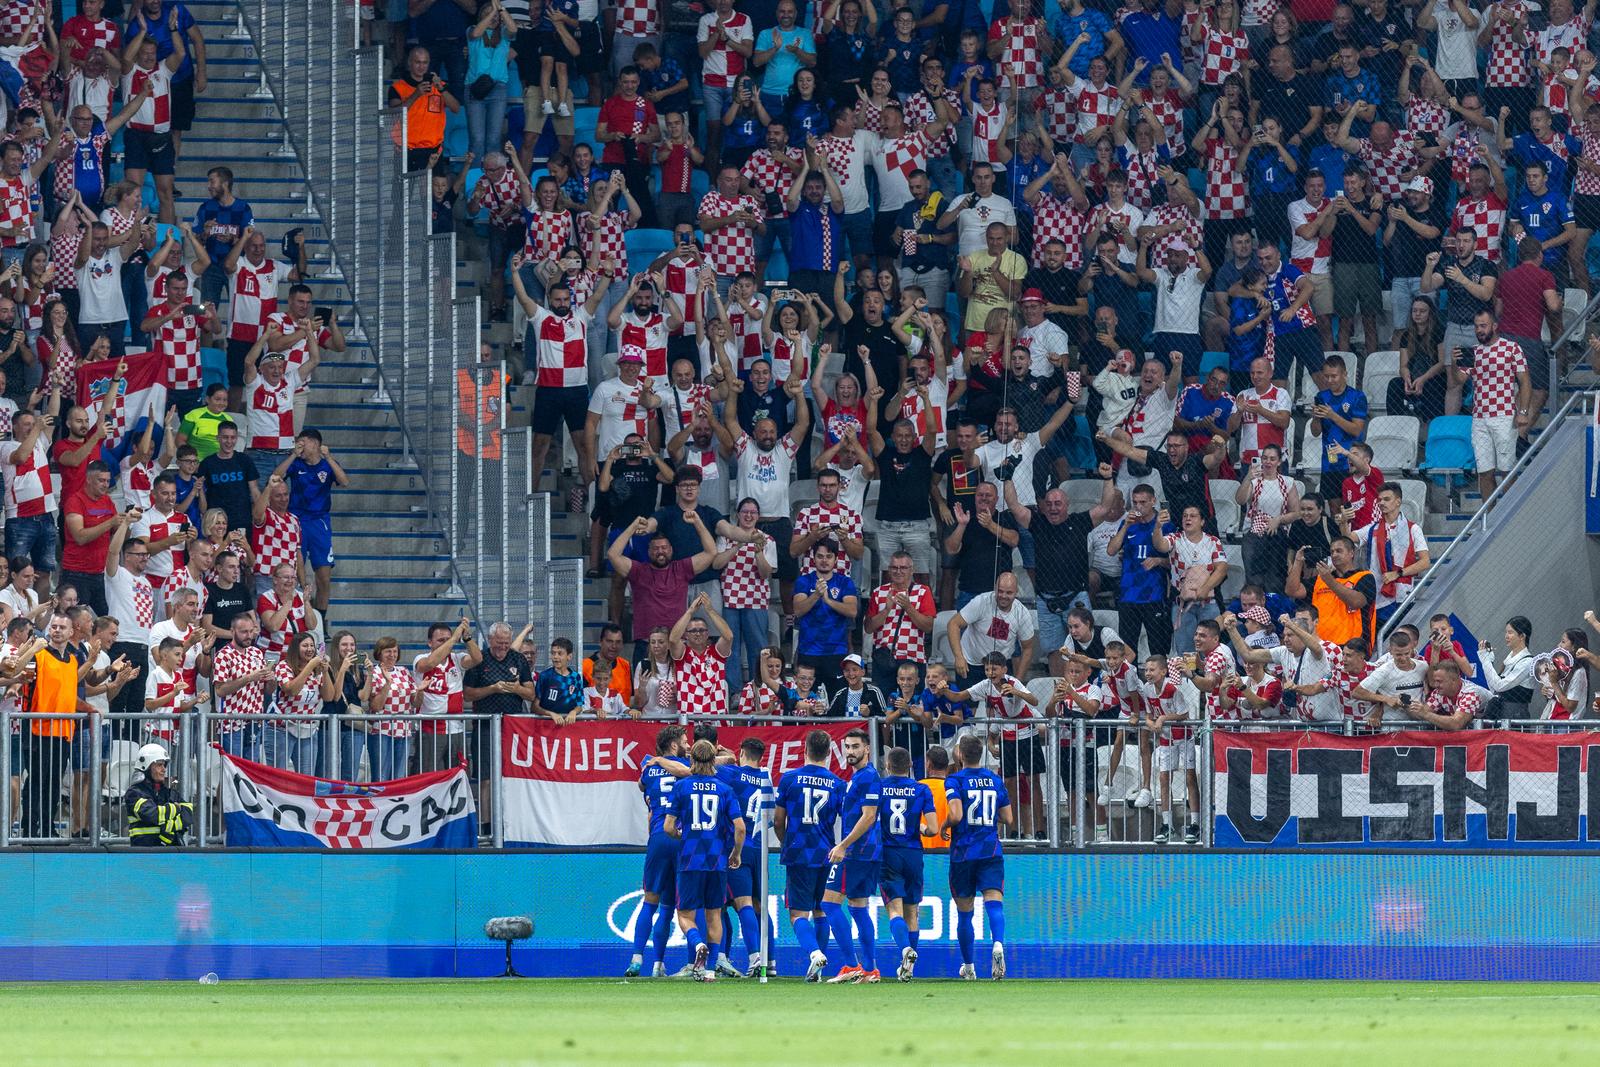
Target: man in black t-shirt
[
  {"x": 1059, "y": 283},
  {"x": 1293, "y": 99},
  {"x": 981, "y": 544},
  {"x": 1184, "y": 473},
  {"x": 1412, "y": 229},
  {"x": 956, "y": 477},
  {"x": 226, "y": 597},
  {"x": 627, "y": 489},
  {"x": 1357, "y": 286},
  {"x": 228, "y": 480},
  {"x": 905, "y": 471},
  {"x": 871, "y": 328},
  {"x": 1061, "y": 558}
]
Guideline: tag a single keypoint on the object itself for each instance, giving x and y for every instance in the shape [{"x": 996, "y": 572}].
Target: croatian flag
[
  {"x": 143, "y": 392},
  {"x": 264, "y": 807}
]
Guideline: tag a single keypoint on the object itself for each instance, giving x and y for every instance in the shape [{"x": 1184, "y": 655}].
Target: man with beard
[
  {"x": 558, "y": 335},
  {"x": 645, "y": 319},
  {"x": 766, "y": 469}
]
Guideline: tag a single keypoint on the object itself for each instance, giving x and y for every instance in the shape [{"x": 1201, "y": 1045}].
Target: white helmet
[{"x": 149, "y": 754}]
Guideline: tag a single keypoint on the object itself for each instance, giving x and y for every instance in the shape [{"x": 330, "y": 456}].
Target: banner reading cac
[{"x": 1492, "y": 789}]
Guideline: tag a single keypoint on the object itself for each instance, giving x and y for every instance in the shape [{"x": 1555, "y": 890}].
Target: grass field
[{"x": 648, "y": 1023}]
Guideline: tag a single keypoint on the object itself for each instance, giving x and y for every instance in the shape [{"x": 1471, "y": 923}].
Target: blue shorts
[
  {"x": 316, "y": 539},
  {"x": 902, "y": 875},
  {"x": 82, "y": 747},
  {"x": 805, "y": 887},
  {"x": 743, "y": 879},
  {"x": 971, "y": 877},
  {"x": 661, "y": 866},
  {"x": 702, "y": 889},
  {"x": 857, "y": 228},
  {"x": 854, "y": 879}
]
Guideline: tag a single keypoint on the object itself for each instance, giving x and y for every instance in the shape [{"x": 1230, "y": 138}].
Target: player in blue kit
[
  {"x": 706, "y": 819},
  {"x": 979, "y": 805},
  {"x": 660, "y": 856},
  {"x": 809, "y": 800},
  {"x": 905, "y": 813},
  {"x": 750, "y": 783},
  {"x": 856, "y": 861}
]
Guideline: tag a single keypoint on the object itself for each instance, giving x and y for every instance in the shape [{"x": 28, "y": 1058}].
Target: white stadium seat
[{"x": 1393, "y": 439}]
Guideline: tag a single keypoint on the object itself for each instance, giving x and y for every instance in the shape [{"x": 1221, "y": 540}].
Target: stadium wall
[{"x": 118, "y": 916}]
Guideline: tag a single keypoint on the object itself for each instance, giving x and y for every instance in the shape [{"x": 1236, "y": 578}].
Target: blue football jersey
[
  {"x": 862, "y": 792},
  {"x": 749, "y": 785},
  {"x": 982, "y": 795},
  {"x": 903, "y": 803},
  {"x": 705, "y": 810},
  {"x": 811, "y": 798},
  {"x": 656, "y": 784}
]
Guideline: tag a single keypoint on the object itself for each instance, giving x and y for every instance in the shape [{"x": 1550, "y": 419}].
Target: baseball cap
[
  {"x": 1257, "y": 614},
  {"x": 631, "y": 354},
  {"x": 1419, "y": 184},
  {"x": 1180, "y": 246},
  {"x": 1032, "y": 296},
  {"x": 853, "y": 658}
]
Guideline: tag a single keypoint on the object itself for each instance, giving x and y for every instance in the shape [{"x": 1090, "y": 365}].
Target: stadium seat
[
  {"x": 467, "y": 210},
  {"x": 1082, "y": 493},
  {"x": 1385, "y": 363},
  {"x": 1229, "y": 513},
  {"x": 1235, "y": 579},
  {"x": 1448, "y": 455},
  {"x": 778, "y": 268},
  {"x": 1210, "y": 361},
  {"x": 645, "y": 245},
  {"x": 1393, "y": 439},
  {"x": 699, "y": 184},
  {"x": 213, "y": 367},
  {"x": 1043, "y": 688},
  {"x": 940, "y": 651},
  {"x": 584, "y": 120},
  {"x": 1414, "y": 498},
  {"x": 802, "y": 493}
]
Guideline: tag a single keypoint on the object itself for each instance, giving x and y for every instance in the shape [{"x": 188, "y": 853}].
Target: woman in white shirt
[
  {"x": 655, "y": 691},
  {"x": 1512, "y": 685}
]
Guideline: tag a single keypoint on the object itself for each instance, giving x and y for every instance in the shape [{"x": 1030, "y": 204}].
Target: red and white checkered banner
[
  {"x": 579, "y": 784},
  {"x": 264, "y": 807}
]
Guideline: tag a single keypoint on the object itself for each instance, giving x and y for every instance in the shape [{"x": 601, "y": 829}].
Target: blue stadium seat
[
  {"x": 584, "y": 120},
  {"x": 455, "y": 135},
  {"x": 466, "y": 193},
  {"x": 778, "y": 265},
  {"x": 213, "y": 367},
  {"x": 645, "y": 245},
  {"x": 1210, "y": 361},
  {"x": 1448, "y": 449},
  {"x": 699, "y": 184},
  {"x": 1080, "y": 448}
]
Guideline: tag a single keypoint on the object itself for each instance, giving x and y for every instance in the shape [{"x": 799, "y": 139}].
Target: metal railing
[{"x": 401, "y": 280}]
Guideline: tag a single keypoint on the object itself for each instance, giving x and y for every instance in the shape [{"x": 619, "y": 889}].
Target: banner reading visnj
[
  {"x": 1474, "y": 789},
  {"x": 579, "y": 784}
]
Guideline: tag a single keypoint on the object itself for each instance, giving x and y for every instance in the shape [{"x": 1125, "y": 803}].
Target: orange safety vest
[
  {"x": 424, "y": 123},
  {"x": 941, "y": 808},
  {"x": 480, "y": 411},
  {"x": 1336, "y": 622},
  {"x": 55, "y": 689}
]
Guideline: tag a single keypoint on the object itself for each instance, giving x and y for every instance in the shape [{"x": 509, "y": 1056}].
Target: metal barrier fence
[{"x": 401, "y": 278}]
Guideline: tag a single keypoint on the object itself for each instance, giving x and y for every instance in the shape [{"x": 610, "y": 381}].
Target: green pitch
[{"x": 647, "y": 1023}]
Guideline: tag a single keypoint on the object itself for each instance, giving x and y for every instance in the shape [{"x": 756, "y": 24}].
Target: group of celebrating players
[{"x": 842, "y": 841}]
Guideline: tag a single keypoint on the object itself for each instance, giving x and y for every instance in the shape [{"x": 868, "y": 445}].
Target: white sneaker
[
  {"x": 727, "y": 969},
  {"x": 754, "y": 970},
  {"x": 818, "y": 962},
  {"x": 997, "y": 961},
  {"x": 908, "y": 964},
  {"x": 968, "y": 973},
  {"x": 1108, "y": 790},
  {"x": 563, "y": 110},
  {"x": 549, "y": 108},
  {"x": 659, "y": 970},
  {"x": 1142, "y": 798},
  {"x": 1102, "y": 836}
]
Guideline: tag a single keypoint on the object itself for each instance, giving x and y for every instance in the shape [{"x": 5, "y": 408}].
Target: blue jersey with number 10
[
  {"x": 656, "y": 784},
  {"x": 749, "y": 785},
  {"x": 705, "y": 810},
  {"x": 811, "y": 797},
  {"x": 982, "y": 795},
  {"x": 903, "y": 803}
]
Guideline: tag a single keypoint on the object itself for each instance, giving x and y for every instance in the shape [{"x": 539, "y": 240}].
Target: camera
[
  {"x": 1006, "y": 470},
  {"x": 1464, "y": 357},
  {"x": 1405, "y": 700},
  {"x": 633, "y": 450}
]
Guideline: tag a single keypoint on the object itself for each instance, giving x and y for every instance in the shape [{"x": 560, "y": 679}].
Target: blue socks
[
  {"x": 641, "y": 926},
  {"x": 839, "y": 923},
  {"x": 994, "y": 913},
  {"x": 694, "y": 937},
  {"x": 914, "y": 936},
  {"x": 866, "y": 936},
  {"x": 820, "y": 925},
  {"x": 750, "y": 930},
  {"x": 806, "y": 935},
  {"x": 899, "y": 931},
  {"x": 727, "y": 933},
  {"x": 964, "y": 934},
  {"x": 662, "y": 932}
]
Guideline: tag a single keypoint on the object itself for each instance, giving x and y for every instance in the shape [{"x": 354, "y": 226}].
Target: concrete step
[{"x": 394, "y": 542}]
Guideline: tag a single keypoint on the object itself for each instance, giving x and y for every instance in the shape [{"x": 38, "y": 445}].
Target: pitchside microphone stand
[{"x": 509, "y": 928}]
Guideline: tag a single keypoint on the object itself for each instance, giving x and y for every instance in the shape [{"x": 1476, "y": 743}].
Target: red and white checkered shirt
[
  {"x": 1095, "y": 107},
  {"x": 731, "y": 249},
  {"x": 1224, "y": 54},
  {"x": 1467, "y": 700},
  {"x": 1226, "y": 194},
  {"x": 86, "y": 34},
  {"x": 255, "y": 296},
  {"x": 563, "y": 347},
  {"x": 155, "y": 114},
  {"x": 274, "y": 540},
  {"x": 1168, "y": 111},
  {"x": 1143, "y": 175},
  {"x": 1570, "y": 35},
  {"x": 269, "y": 412},
  {"x": 1055, "y": 218},
  {"x": 1058, "y": 109},
  {"x": 637, "y": 18},
  {"x": 650, "y": 334},
  {"x": 178, "y": 342},
  {"x": 443, "y": 691},
  {"x": 296, "y": 355},
  {"x": 1494, "y": 373},
  {"x": 230, "y": 664},
  {"x": 1022, "y": 59},
  {"x": 1508, "y": 61},
  {"x": 742, "y": 584},
  {"x": 900, "y": 635},
  {"x": 1166, "y": 215},
  {"x": 608, "y": 232},
  {"x": 702, "y": 681},
  {"x": 1217, "y": 663},
  {"x": 271, "y": 641},
  {"x": 180, "y": 579},
  {"x": 1387, "y": 165},
  {"x": 905, "y": 153},
  {"x": 1487, "y": 217},
  {"x": 548, "y": 233},
  {"x": 16, "y": 209},
  {"x": 1587, "y": 182},
  {"x": 869, "y": 116},
  {"x": 764, "y": 171},
  {"x": 1423, "y": 116},
  {"x": 397, "y": 701},
  {"x": 1186, "y": 554},
  {"x": 308, "y": 701},
  {"x": 747, "y": 330},
  {"x": 919, "y": 113},
  {"x": 683, "y": 284},
  {"x": 722, "y": 65},
  {"x": 841, "y": 152},
  {"x": 18, "y": 15},
  {"x": 501, "y": 198},
  {"x": 64, "y": 244},
  {"x": 757, "y": 699},
  {"x": 818, "y": 515}
]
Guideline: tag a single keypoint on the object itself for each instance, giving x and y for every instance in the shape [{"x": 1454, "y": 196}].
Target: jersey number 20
[{"x": 980, "y": 807}]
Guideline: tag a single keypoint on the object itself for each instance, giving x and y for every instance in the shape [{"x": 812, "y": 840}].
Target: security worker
[{"x": 158, "y": 817}]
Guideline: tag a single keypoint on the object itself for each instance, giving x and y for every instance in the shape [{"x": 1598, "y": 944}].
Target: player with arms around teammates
[
  {"x": 979, "y": 805},
  {"x": 856, "y": 865},
  {"x": 809, "y": 800},
  {"x": 656, "y": 782},
  {"x": 905, "y": 813},
  {"x": 706, "y": 819}
]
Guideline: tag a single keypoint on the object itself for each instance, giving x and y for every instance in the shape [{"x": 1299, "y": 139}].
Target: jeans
[
  {"x": 942, "y": 175},
  {"x": 749, "y": 638},
  {"x": 1402, "y": 291},
  {"x": 244, "y": 743},
  {"x": 1185, "y": 617},
  {"x": 137, "y": 298},
  {"x": 33, "y": 536},
  {"x": 387, "y": 757},
  {"x": 281, "y": 748},
  {"x": 351, "y": 745},
  {"x": 486, "y": 120},
  {"x": 213, "y": 283},
  {"x": 1053, "y": 624}
]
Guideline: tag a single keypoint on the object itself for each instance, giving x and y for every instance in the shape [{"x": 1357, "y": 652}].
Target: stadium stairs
[{"x": 391, "y": 576}]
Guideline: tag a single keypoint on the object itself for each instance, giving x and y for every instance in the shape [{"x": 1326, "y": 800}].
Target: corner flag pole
[{"x": 761, "y": 881}]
